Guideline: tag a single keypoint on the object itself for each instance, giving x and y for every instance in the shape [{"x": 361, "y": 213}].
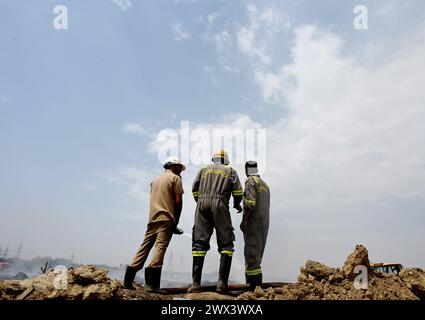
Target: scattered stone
[
  {"x": 89, "y": 274},
  {"x": 316, "y": 270},
  {"x": 316, "y": 281},
  {"x": 26, "y": 293}
]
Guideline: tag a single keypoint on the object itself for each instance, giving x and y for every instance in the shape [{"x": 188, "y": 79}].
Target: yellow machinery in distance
[{"x": 387, "y": 267}]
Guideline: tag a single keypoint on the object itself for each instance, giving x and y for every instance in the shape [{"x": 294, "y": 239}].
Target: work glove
[
  {"x": 244, "y": 223},
  {"x": 243, "y": 226},
  {"x": 178, "y": 231}
]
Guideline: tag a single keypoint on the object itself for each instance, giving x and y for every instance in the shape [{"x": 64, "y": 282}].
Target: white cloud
[
  {"x": 351, "y": 138},
  {"x": 255, "y": 40},
  {"x": 124, "y": 5},
  {"x": 134, "y": 128},
  {"x": 247, "y": 45},
  {"x": 213, "y": 16},
  {"x": 180, "y": 33},
  {"x": 134, "y": 181},
  {"x": 352, "y": 133},
  {"x": 258, "y": 37},
  {"x": 223, "y": 41}
]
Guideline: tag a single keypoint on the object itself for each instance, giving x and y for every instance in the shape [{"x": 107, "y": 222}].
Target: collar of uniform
[{"x": 168, "y": 170}]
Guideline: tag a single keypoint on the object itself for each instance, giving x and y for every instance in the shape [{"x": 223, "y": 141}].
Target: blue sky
[{"x": 80, "y": 110}]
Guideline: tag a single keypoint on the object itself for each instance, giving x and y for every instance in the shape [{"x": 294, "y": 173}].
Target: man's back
[
  {"x": 217, "y": 180},
  {"x": 262, "y": 193},
  {"x": 163, "y": 191}
]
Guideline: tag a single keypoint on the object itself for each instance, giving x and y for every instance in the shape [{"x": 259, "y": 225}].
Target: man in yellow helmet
[
  {"x": 255, "y": 223},
  {"x": 212, "y": 188}
]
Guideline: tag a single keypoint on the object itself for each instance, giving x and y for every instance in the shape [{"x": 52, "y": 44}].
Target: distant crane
[
  {"x": 18, "y": 252},
  {"x": 6, "y": 252}
]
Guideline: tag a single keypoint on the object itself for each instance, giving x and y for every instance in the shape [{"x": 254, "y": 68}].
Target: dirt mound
[
  {"x": 85, "y": 283},
  {"x": 316, "y": 281},
  {"x": 360, "y": 257},
  {"x": 415, "y": 281}
]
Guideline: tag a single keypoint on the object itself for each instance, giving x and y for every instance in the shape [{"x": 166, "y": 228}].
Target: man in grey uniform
[
  {"x": 255, "y": 223},
  {"x": 212, "y": 189}
]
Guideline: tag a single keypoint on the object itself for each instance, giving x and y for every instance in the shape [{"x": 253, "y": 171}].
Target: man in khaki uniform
[
  {"x": 255, "y": 223},
  {"x": 212, "y": 189},
  {"x": 165, "y": 209}
]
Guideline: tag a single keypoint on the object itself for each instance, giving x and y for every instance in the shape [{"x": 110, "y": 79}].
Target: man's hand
[
  {"x": 178, "y": 231},
  {"x": 238, "y": 208},
  {"x": 243, "y": 226},
  {"x": 244, "y": 223}
]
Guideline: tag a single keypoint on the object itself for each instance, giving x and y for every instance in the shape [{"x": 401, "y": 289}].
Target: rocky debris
[
  {"x": 85, "y": 282},
  {"x": 89, "y": 274},
  {"x": 415, "y": 281},
  {"x": 316, "y": 281},
  {"x": 359, "y": 257},
  {"x": 316, "y": 270},
  {"x": 10, "y": 289},
  {"x": 319, "y": 282},
  {"x": 26, "y": 293}
]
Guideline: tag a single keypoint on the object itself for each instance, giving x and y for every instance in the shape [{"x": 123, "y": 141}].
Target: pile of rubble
[
  {"x": 86, "y": 282},
  {"x": 319, "y": 282},
  {"x": 316, "y": 281}
]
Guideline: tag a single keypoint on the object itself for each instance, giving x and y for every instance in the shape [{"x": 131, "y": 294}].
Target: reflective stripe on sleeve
[
  {"x": 237, "y": 192},
  {"x": 256, "y": 179}
]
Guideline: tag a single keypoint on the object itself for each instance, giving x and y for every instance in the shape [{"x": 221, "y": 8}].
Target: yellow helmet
[{"x": 222, "y": 155}]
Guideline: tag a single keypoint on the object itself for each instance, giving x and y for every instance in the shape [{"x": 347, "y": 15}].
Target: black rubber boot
[
  {"x": 223, "y": 274},
  {"x": 198, "y": 264},
  {"x": 153, "y": 280},
  {"x": 130, "y": 274},
  {"x": 254, "y": 281}
]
